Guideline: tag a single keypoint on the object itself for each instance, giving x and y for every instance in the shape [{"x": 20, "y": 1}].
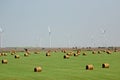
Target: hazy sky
[{"x": 79, "y": 23}]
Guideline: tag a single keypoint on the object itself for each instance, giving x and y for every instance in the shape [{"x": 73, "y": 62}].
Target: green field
[{"x": 55, "y": 67}]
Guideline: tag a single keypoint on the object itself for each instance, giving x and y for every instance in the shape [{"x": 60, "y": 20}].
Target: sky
[{"x": 81, "y": 23}]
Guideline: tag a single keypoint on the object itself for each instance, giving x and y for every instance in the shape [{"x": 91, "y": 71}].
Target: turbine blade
[{"x": 49, "y": 30}]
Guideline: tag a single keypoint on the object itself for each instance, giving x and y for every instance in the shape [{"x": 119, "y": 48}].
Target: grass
[{"x": 54, "y": 67}]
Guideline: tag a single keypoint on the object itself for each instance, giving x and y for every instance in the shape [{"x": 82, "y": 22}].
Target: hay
[
  {"x": 4, "y": 54},
  {"x": 36, "y": 52},
  {"x": 99, "y": 52},
  {"x": 64, "y": 51},
  {"x": 84, "y": 54},
  {"x": 13, "y": 52},
  {"x": 93, "y": 52},
  {"x": 55, "y": 51},
  {"x": 89, "y": 67},
  {"x": 37, "y": 69},
  {"x": 105, "y": 65},
  {"x": 69, "y": 54},
  {"x": 78, "y": 52},
  {"x": 25, "y": 49},
  {"x": 0, "y": 54},
  {"x": 17, "y": 56},
  {"x": 108, "y": 52},
  {"x": 66, "y": 57},
  {"x": 26, "y": 54},
  {"x": 75, "y": 54},
  {"x": 4, "y": 61},
  {"x": 48, "y": 54},
  {"x": 49, "y": 51}
]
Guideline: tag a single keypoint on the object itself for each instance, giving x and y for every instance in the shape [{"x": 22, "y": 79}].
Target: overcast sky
[{"x": 79, "y": 23}]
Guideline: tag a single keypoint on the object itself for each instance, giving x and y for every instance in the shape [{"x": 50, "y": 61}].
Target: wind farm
[{"x": 59, "y": 39}]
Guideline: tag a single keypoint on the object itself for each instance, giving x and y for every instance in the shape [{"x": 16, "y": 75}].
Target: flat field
[{"x": 55, "y": 67}]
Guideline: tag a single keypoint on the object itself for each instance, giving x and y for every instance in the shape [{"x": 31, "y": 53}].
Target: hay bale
[
  {"x": 25, "y": 49},
  {"x": 5, "y": 54},
  {"x": 37, "y": 69},
  {"x": 55, "y": 51},
  {"x": 48, "y": 54},
  {"x": 0, "y": 54},
  {"x": 99, "y": 52},
  {"x": 26, "y": 54},
  {"x": 108, "y": 52},
  {"x": 93, "y": 52},
  {"x": 105, "y": 65},
  {"x": 4, "y": 61},
  {"x": 78, "y": 52},
  {"x": 115, "y": 50},
  {"x": 36, "y": 52},
  {"x": 69, "y": 54},
  {"x": 49, "y": 51},
  {"x": 17, "y": 56},
  {"x": 66, "y": 57},
  {"x": 84, "y": 54},
  {"x": 89, "y": 67},
  {"x": 13, "y": 52},
  {"x": 64, "y": 51},
  {"x": 75, "y": 54}
]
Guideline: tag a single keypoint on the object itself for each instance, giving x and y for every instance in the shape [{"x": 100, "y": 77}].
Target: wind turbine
[
  {"x": 103, "y": 32},
  {"x": 1, "y": 31},
  {"x": 49, "y": 30}
]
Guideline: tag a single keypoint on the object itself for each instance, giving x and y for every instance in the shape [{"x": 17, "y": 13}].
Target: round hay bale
[
  {"x": 49, "y": 51},
  {"x": 69, "y": 54},
  {"x": 48, "y": 54},
  {"x": 12, "y": 53},
  {"x": 36, "y": 52},
  {"x": 64, "y": 51},
  {"x": 78, "y": 51},
  {"x": 108, "y": 52},
  {"x": 89, "y": 67},
  {"x": 84, "y": 54},
  {"x": 99, "y": 52},
  {"x": 25, "y": 49},
  {"x": 5, "y": 54},
  {"x": 55, "y": 51},
  {"x": 66, "y": 57},
  {"x": 0, "y": 54},
  {"x": 26, "y": 54},
  {"x": 93, "y": 52},
  {"x": 4, "y": 61},
  {"x": 75, "y": 54},
  {"x": 105, "y": 65},
  {"x": 17, "y": 56},
  {"x": 37, "y": 69}
]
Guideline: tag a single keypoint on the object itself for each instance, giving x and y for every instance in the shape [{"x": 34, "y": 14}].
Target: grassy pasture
[{"x": 54, "y": 67}]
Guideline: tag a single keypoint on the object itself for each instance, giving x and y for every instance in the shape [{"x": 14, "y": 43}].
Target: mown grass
[{"x": 54, "y": 67}]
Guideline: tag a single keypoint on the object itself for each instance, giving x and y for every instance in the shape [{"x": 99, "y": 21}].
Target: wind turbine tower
[
  {"x": 1, "y": 31},
  {"x": 49, "y": 30}
]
